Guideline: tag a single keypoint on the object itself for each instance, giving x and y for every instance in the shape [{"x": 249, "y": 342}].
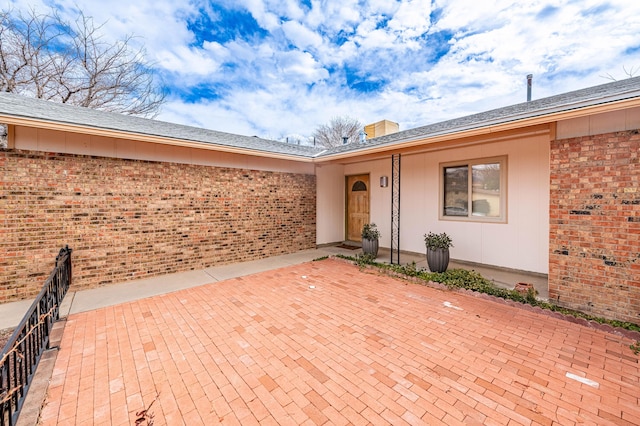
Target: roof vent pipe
[
  {"x": 529, "y": 84},
  {"x": 345, "y": 140}
]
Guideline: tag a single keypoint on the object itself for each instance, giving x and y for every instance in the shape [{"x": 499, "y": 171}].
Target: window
[
  {"x": 474, "y": 190},
  {"x": 359, "y": 186}
]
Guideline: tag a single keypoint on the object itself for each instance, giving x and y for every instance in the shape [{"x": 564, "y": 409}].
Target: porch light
[{"x": 384, "y": 181}]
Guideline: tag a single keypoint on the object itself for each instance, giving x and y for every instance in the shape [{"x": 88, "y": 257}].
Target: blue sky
[{"x": 278, "y": 68}]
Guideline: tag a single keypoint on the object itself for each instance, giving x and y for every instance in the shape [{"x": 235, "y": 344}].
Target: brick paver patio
[{"x": 324, "y": 343}]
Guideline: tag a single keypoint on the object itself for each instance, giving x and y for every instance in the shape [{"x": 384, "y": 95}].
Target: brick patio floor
[{"x": 324, "y": 343}]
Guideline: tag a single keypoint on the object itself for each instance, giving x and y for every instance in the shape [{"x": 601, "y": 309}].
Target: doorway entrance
[{"x": 357, "y": 205}]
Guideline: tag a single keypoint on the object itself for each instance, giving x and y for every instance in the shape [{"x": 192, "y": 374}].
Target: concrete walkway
[
  {"x": 325, "y": 343},
  {"x": 85, "y": 300},
  {"x": 12, "y": 313}
]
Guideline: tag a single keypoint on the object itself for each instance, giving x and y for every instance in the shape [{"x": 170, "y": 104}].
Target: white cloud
[
  {"x": 300, "y": 35},
  {"x": 287, "y": 8},
  {"x": 471, "y": 15},
  {"x": 421, "y": 61},
  {"x": 370, "y": 38},
  {"x": 411, "y": 19},
  {"x": 301, "y": 65},
  {"x": 197, "y": 61},
  {"x": 158, "y": 25},
  {"x": 216, "y": 50},
  {"x": 210, "y": 115},
  {"x": 334, "y": 15},
  {"x": 265, "y": 18}
]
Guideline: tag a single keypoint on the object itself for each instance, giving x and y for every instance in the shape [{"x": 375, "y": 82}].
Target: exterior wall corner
[{"x": 594, "y": 247}]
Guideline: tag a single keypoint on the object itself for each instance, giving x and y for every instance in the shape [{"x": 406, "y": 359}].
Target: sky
[{"x": 281, "y": 68}]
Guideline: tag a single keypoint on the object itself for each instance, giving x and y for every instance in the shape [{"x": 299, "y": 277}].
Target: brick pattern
[
  {"x": 356, "y": 349},
  {"x": 595, "y": 225},
  {"x": 130, "y": 219}
]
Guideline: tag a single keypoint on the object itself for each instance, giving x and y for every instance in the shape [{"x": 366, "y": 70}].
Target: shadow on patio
[{"x": 322, "y": 342}]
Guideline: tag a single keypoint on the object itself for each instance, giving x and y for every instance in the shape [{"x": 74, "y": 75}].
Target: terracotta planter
[
  {"x": 370, "y": 246},
  {"x": 438, "y": 260},
  {"x": 523, "y": 288}
]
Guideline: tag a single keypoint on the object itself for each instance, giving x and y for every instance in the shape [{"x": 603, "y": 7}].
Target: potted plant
[
  {"x": 437, "y": 251},
  {"x": 370, "y": 235}
]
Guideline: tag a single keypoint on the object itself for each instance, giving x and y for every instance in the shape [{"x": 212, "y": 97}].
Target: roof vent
[{"x": 529, "y": 84}]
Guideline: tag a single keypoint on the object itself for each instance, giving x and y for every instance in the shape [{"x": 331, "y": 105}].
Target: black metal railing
[{"x": 24, "y": 349}]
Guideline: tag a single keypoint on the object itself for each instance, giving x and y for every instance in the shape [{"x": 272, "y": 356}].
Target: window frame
[{"x": 470, "y": 217}]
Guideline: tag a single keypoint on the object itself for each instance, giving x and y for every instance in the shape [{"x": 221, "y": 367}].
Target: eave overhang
[
  {"x": 483, "y": 129},
  {"x": 141, "y": 137},
  {"x": 486, "y": 129}
]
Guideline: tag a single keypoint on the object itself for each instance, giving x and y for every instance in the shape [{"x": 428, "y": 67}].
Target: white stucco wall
[
  {"x": 521, "y": 243},
  {"x": 330, "y": 203},
  {"x": 28, "y": 138}
]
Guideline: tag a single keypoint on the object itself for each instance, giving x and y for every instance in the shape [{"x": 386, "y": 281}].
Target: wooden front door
[{"x": 357, "y": 206}]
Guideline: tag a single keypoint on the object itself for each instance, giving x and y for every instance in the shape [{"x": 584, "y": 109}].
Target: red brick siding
[
  {"x": 128, "y": 219},
  {"x": 595, "y": 225}
]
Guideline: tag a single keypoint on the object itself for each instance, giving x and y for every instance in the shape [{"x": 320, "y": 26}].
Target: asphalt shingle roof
[
  {"x": 20, "y": 106},
  {"x": 618, "y": 90}
]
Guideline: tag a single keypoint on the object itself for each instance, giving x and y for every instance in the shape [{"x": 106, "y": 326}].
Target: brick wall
[
  {"x": 128, "y": 219},
  {"x": 595, "y": 225}
]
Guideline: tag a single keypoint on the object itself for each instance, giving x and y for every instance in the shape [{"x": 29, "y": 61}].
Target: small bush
[
  {"x": 370, "y": 231},
  {"x": 471, "y": 280},
  {"x": 365, "y": 259},
  {"x": 435, "y": 241}
]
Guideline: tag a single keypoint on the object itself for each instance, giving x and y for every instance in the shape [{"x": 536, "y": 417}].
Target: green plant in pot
[
  {"x": 438, "y": 251},
  {"x": 370, "y": 236}
]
